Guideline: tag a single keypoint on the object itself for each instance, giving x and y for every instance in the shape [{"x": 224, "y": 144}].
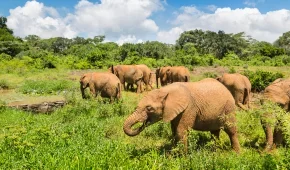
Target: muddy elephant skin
[
  {"x": 239, "y": 86},
  {"x": 170, "y": 74},
  {"x": 279, "y": 93},
  {"x": 187, "y": 106},
  {"x": 130, "y": 74},
  {"x": 106, "y": 84}
]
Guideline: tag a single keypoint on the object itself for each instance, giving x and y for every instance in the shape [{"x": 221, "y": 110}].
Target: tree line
[{"x": 193, "y": 47}]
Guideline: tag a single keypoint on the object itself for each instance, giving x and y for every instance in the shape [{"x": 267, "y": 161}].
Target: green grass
[{"x": 88, "y": 134}]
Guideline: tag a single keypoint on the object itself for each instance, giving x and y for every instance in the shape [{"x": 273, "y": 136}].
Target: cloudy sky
[{"x": 141, "y": 20}]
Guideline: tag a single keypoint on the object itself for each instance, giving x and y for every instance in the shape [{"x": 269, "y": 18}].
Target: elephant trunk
[
  {"x": 132, "y": 120},
  {"x": 82, "y": 91}
]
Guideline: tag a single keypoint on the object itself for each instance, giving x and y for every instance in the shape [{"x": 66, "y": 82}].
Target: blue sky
[{"x": 141, "y": 20}]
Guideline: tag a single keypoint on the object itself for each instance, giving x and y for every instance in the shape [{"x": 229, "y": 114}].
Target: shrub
[
  {"x": 261, "y": 79},
  {"x": 4, "y": 84},
  {"x": 210, "y": 75}
]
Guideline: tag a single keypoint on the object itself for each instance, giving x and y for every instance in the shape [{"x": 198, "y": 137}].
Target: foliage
[
  {"x": 208, "y": 42},
  {"x": 261, "y": 79},
  {"x": 283, "y": 42},
  {"x": 88, "y": 134},
  {"x": 4, "y": 84}
]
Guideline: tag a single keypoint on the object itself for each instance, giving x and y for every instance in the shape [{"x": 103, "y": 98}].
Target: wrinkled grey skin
[
  {"x": 188, "y": 106},
  {"x": 279, "y": 93},
  {"x": 106, "y": 84}
]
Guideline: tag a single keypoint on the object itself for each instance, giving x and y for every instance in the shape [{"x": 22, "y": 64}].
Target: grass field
[{"x": 88, "y": 134}]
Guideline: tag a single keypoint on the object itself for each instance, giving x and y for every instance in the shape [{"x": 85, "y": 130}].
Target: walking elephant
[
  {"x": 161, "y": 74},
  {"x": 205, "y": 105},
  {"x": 279, "y": 93},
  {"x": 172, "y": 74},
  {"x": 107, "y": 84},
  {"x": 146, "y": 76},
  {"x": 130, "y": 74},
  {"x": 239, "y": 86}
]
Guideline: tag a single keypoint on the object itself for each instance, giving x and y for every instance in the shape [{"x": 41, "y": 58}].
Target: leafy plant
[{"x": 261, "y": 79}]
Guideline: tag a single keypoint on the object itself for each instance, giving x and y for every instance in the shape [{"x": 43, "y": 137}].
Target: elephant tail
[
  {"x": 118, "y": 89},
  {"x": 186, "y": 78},
  {"x": 246, "y": 95}
]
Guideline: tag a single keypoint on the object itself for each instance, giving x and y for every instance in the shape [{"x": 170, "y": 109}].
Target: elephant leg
[
  {"x": 278, "y": 136},
  {"x": 129, "y": 86},
  {"x": 238, "y": 96},
  {"x": 215, "y": 134},
  {"x": 139, "y": 86},
  {"x": 231, "y": 129},
  {"x": 267, "y": 127},
  {"x": 269, "y": 137},
  {"x": 233, "y": 135}
]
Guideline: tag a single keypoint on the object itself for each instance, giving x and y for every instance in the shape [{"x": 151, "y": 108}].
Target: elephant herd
[
  {"x": 205, "y": 105},
  {"x": 110, "y": 84}
]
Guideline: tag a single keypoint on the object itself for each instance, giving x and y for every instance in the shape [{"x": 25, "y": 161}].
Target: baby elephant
[
  {"x": 240, "y": 87},
  {"x": 107, "y": 84},
  {"x": 206, "y": 105}
]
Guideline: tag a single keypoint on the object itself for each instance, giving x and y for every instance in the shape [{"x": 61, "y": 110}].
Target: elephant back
[{"x": 211, "y": 93}]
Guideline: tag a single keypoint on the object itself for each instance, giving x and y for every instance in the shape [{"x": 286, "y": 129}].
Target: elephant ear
[
  {"x": 175, "y": 101},
  {"x": 84, "y": 80}
]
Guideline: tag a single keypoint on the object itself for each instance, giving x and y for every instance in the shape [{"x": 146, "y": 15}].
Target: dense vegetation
[
  {"x": 88, "y": 134},
  {"x": 193, "y": 48}
]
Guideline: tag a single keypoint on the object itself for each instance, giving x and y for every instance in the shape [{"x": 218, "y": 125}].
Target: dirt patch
[
  {"x": 45, "y": 107},
  {"x": 37, "y": 104},
  {"x": 203, "y": 70}
]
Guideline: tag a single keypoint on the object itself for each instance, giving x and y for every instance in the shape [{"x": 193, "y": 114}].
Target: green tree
[{"x": 284, "y": 42}]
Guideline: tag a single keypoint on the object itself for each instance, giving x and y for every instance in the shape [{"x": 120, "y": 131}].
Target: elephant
[
  {"x": 279, "y": 93},
  {"x": 161, "y": 74},
  {"x": 239, "y": 86},
  {"x": 130, "y": 74},
  {"x": 172, "y": 74},
  {"x": 107, "y": 84},
  {"x": 206, "y": 105},
  {"x": 146, "y": 76}
]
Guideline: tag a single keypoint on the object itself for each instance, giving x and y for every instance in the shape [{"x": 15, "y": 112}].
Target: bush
[
  {"x": 261, "y": 79},
  {"x": 4, "y": 84}
]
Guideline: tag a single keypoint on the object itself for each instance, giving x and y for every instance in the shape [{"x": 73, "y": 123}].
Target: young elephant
[
  {"x": 279, "y": 93},
  {"x": 170, "y": 74},
  {"x": 107, "y": 84},
  {"x": 206, "y": 105},
  {"x": 240, "y": 87},
  {"x": 130, "y": 74}
]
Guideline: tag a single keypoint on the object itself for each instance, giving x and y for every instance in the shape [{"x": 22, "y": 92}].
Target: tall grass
[{"x": 88, "y": 134}]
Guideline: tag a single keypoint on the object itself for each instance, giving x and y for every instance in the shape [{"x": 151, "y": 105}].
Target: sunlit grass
[{"x": 88, "y": 134}]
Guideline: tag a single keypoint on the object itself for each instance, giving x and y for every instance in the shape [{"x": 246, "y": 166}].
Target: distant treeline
[{"x": 194, "y": 47}]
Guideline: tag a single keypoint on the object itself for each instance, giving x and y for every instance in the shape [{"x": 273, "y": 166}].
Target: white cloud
[
  {"x": 211, "y": 8},
  {"x": 263, "y": 27},
  {"x": 111, "y": 17},
  {"x": 108, "y": 17},
  {"x": 169, "y": 36},
  {"x": 35, "y": 18},
  {"x": 128, "y": 39}
]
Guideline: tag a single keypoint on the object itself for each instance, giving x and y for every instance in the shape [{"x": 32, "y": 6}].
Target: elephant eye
[{"x": 150, "y": 108}]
